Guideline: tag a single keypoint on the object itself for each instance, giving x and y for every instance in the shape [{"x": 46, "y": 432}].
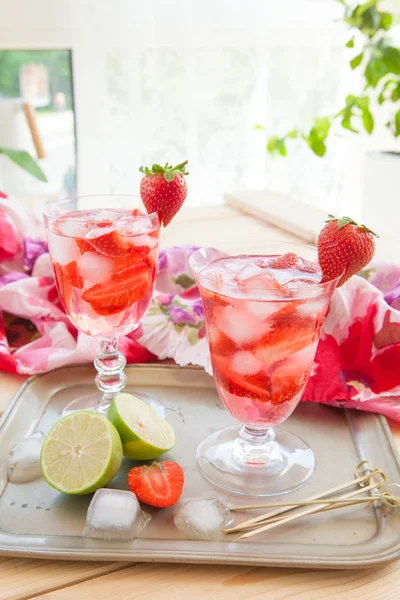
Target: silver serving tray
[{"x": 37, "y": 521}]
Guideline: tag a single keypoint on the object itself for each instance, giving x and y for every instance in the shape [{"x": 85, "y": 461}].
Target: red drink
[
  {"x": 105, "y": 263},
  {"x": 264, "y": 316}
]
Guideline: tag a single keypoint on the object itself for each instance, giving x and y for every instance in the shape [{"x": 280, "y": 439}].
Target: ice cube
[
  {"x": 245, "y": 363},
  {"x": 134, "y": 227},
  {"x": 202, "y": 519},
  {"x": 95, "y": 267},
  {"x": 144, "y": 240},
  {"x": 24, "y": 459},
  {"x": 98, "y": 232},
  {"x": 114, "y": 515},
  {"x": 71, "y": 228},
  {"x": 240, "y": 326},
  {"x": 248, "y": 272},
  {"x": 298, "y": 283},
  {"x": 262, "y": 309},
  {"x": 312, "y": 306},
  {"x": 63, "y": 250},
  {"x": 99, "y": 216}
]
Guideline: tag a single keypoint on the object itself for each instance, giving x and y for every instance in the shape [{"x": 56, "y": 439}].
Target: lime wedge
[
  {"x": 81, "y": 453},
  {"x": 144, "y": 434}
]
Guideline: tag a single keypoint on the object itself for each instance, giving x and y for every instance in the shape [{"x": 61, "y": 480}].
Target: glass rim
[
  {"x": 291, "y": 294},
  {"x": 78, "y": 197}
]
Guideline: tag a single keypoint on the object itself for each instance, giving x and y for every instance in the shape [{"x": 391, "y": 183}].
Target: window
[{"x": 41, "y": 79}]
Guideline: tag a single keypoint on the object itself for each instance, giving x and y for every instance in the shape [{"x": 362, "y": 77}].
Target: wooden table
[{"x": 22, "y": 578}]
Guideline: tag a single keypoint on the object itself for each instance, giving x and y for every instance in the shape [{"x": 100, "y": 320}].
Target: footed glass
[
  {"x": 263, "y": 317},
  {"x": 104, "y": 252}
]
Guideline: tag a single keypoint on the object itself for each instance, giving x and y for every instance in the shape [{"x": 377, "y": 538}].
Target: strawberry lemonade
[
  {"x": 263, "y": 324},
  {"x": 105, "y": 264},
  {"x": 264, "y": 316}
]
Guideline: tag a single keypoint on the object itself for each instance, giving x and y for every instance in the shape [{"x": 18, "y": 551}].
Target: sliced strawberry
[
  {"x": 111, "y": 244},
  {"x": 121, "y": 291},
  {"x": 286, "y": 336},
  {"x": 158, "y": 485},
  {"x": 127, "y": 261},
  {"x": 64, "y": 286},
  {"x": 83, "y": 245},
  {"x": 286, "y": 261},
  {"x": 220, "y": 343},
  {"x": 214, "y": 298},
  {"x": 256, "y": 387},
  {"x": 284, "y": 387},
  {"x": 71, "y": 274}
]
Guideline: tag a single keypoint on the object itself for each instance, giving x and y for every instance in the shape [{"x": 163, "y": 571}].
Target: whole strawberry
[
  {"x": 344, "y": 247},
  {"x": 164, "y": 189}
]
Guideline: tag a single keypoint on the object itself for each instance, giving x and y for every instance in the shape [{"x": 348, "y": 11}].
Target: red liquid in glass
[
  {"x": 105, "y": 264},
  {"x": 263, "y": 326}
]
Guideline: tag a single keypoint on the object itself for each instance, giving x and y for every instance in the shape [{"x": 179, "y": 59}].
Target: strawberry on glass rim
[
  {"x": 344, "y": 248},
  {"x": 164, "y": 189}
]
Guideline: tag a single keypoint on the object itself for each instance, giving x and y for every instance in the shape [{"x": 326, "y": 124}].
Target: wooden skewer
[
  {"x": 280, "y": 511},
  {"x": 339, "y": 504},
  {"x": 304, "y": 513}
]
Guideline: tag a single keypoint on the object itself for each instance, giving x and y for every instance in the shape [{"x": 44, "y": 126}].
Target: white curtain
[
  {"x": 188, "y": 79},
  {"x": 159, "y": 80}
]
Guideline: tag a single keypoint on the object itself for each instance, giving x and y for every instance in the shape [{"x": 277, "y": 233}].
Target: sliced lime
[
  {"x": 81, "y": 453},
  {"x": 144, "y": 434}
]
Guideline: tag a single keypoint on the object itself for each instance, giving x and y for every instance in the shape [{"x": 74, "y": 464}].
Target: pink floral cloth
[{"x": 357, "y": 364}]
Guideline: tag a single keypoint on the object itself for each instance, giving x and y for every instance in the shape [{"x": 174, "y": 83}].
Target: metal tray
[{"x": 37, "y": 521}]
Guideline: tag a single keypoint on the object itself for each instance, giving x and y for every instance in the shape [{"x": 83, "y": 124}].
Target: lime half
[
  {"x": 144, "y": 434},
  {"x": 81, "y": 453}
]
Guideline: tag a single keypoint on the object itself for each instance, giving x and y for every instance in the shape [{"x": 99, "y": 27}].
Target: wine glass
[
  {"x": 104, "y": 252},
  {"x": 263, "y": 325}
]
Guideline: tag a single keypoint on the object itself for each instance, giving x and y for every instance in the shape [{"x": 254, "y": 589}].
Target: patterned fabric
[{"x": 358, "y": 356}]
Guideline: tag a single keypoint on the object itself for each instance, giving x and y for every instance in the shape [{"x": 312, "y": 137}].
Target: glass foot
[
  {"x": 275, "y": 465},
  {"x": 95, "y": 403}
]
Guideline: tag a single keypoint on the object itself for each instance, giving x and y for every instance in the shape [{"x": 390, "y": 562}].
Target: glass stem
[
  {"x": 255, "y": 445},
  {"x": 110, "y": 363}
]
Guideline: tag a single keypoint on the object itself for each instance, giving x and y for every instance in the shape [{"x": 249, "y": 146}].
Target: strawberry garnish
[
  {"x": 164, "y": 189},
  {"x": 129, "y": 286},
  {"x": 344, "y": 248},
  {"x": 158, "y": 485}
]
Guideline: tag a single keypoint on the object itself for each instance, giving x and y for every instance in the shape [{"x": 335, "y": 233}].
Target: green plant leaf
[
  {"x": 346, "y": 121},
  {"x": 391, "y": 59},
  {"x": 350, "y": 43},
  {"x": 318, "y": 147},
  {"x": 321, "y": 127},
  {"x": 362, "y": 8},
  {"x": 395, "y": 96},
  {"x": 356, "y": 61},
  {"x": 276, "y": 146},
  {"x": 386, "y": 21},
  {"x": 368, "y": 121},
  {"x": 257, "y": 127},
  {"x": 293, "y": 133},
  {"x": 25, "y": 161},
  {"x": 362, "y": 102},
  {"x": 397, "y": 124},
  {"x": 375, "y": 70}
]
